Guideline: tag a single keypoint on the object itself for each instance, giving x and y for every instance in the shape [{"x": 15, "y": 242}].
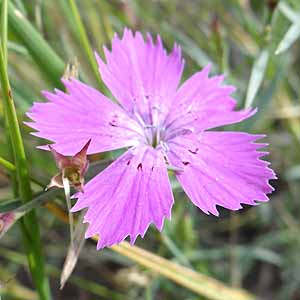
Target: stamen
[{"x": 153, "y": 132}]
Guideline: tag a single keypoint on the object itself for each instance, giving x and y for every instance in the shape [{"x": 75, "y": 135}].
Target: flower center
[
  {"x": 151, "y": 121},
  {"x": 154, "y": 135}
]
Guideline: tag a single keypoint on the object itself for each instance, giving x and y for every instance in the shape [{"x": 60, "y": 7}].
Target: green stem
[
  {"x": 29, "y": 224},
  {"x": 14, "y": 181},
  {"x": 83, "y": 39},
  {"x": 7, "y": 164},
  {"x": 4, "y": 28}
]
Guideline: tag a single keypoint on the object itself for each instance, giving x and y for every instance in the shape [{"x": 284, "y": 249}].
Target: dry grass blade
[
  {"x": 196, "y": 282},
  {"x": 199, "y": 283},
  {"x": 74, "y": 250}
]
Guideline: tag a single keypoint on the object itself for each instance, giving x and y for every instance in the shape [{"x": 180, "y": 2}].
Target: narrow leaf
[
  {"x": 4, "y": 29},
  {"x": 74, "y": 250},
  {"x": 289, "y": 38},
  {"x": 256, "y": 78},
  {"x": 189, "y": 46},
  {"x": 8, "y": 165},
  {"x": 83, "y": 39},
  {"x": 50, "y": 63},
  {"x": 11, "y": 211},
  {"x": 288, "y": 12},
  {"x": 9, "y": 205}
]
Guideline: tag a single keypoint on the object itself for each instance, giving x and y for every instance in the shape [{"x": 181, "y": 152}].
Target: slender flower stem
[
  {"x": 70, "y": 215},
  {"x": 83, "y": 39},
  {"x": 29, "y": 224}
]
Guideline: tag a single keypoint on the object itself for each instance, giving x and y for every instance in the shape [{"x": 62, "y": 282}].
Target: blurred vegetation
[{"x": 255, "y": 43}]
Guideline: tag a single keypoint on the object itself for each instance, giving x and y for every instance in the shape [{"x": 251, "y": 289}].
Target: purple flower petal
[
  {"x": 140, "y": 73},
  {"x": 71, "y": 119},
  {"x": 203, "y": 103},
  {"x": 221, "y": 168},
  {"x": 126, "y": 197}
]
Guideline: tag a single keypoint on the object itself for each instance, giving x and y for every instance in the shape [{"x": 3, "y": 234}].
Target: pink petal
[
  {"x": 202, "y": 103},
  {"x": 139, "y": 73},
  {"x": 221, "y": 168},
  {"x": 71, "y": 119},
  {"x": 126, "y": 197}
]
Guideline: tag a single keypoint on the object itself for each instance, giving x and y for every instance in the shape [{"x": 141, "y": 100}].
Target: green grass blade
[
  {"x": 189, "y": 46},
  {"x": 50, "y": 63},
  {"x": 9, "y": 205},
  {"x": 4, "y": 29},
  {"x": 289, "y": 38},
  {"x": 12, "y": 210},
  {"x": 7, "y": 164},
  {"x": 256, "y": 77},
  {"x": 17, "y": 206},
  {"x": 83, "y": 39},
  {"x": 4, "y": 43},
  {"x": 288, "y": 12},
  {"x": 180, "y": 257}
]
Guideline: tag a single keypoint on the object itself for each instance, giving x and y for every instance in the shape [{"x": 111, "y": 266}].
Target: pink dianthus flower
[{"x": 163, "y": 125}]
